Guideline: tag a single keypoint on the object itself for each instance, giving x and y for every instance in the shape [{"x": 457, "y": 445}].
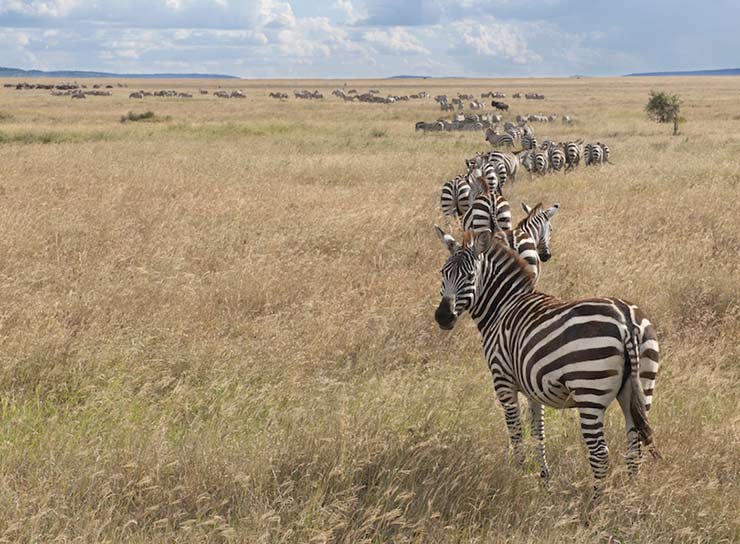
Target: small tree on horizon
[{"x": 664, "y": 108}]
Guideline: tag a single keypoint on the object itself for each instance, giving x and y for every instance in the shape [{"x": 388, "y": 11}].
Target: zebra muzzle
[{"x": 445, "y": 315}]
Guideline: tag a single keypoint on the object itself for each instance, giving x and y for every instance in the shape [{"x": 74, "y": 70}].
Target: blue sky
[{"x": 370, "y": 38}]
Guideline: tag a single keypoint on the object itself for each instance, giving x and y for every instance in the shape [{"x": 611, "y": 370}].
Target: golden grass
[{"x": 220, "y": 327}]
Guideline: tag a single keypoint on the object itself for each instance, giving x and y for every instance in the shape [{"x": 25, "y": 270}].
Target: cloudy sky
[{"x": 370, "y": 38}]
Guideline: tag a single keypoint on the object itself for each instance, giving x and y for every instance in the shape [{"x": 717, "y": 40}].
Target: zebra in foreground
[{"x": 564, "y": 354}]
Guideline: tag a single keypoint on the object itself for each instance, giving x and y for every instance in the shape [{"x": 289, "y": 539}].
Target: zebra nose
[{"x": 444, "y": 315}]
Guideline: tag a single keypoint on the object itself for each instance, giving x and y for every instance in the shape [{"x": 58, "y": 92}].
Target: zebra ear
[
  {"x": 551, "y": 211},
  {"x": 526, "y": 208},
  {"x": 446, "y": 239},
  {"x": 482, "y": 242}
]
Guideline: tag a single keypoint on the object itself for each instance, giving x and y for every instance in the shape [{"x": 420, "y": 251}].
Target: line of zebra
[
  {"x": 579, "y": 354},
  {"x": 565, "y": 156}
]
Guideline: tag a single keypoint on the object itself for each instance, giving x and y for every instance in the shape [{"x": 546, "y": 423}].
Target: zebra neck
[
  {"x": 501, "y": 279},
  {"x": 532, "y": 229}
]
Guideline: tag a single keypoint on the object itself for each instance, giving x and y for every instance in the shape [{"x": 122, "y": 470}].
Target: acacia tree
[{"x": 664, "y": 108}]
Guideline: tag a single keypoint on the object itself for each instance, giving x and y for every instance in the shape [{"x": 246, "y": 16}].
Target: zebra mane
[
  {"x": 499, "y": 252},
  {"x": 532, "y": 213}
]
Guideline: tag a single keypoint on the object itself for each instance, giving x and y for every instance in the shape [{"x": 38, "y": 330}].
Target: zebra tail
[{"x": 638, "y": 402}]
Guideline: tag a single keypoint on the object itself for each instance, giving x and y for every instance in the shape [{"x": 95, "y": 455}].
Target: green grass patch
[
  {"x": 236, "y": 129},
  {"x": 54, "y": 137},
  {"x": 147, "y": 116}
]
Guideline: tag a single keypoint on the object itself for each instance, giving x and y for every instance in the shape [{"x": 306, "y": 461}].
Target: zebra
[
  {"x": 564, "y": 354},
  {"x": 529, "y": 141},
  {"x": 540, "y": 162},
  {"x": 530, "y": 239},
  {"x": 593, "y": 154},
  {"x": 486, "y": 210},
  {"x": 526, "y": 159},
  {"x": 573, "y": 154},
  {"x": 508, "y": 165},
  {"x": 556, "y": 156},
  {"x": 604, "y": 152},
  {"x": 454, "y": 200},
  {"x": 499, "y": 140}
]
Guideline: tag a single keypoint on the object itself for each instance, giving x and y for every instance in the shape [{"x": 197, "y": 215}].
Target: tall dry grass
[{"x": 220, "y": 327}]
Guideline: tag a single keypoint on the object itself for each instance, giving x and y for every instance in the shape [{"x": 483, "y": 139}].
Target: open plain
[{"x": 218, "y": 325}]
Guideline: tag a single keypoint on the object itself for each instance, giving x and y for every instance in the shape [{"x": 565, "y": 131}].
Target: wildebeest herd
[{"x": 579, "y": 354}]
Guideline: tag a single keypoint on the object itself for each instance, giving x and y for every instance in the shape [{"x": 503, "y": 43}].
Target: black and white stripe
[
  {"x": 573, "y": 154},
  {"x": 593, "y": 154},
  {"x": 487, "y": 211},
  {"x": 540, "y": 162},
  {"x": 579, "y": 354},
  {"x": 556, "y": 156},
  {"x": 508, "y": 165},
  {"x": 454, "y": 199},
  {"x": 499, "y": 140},
  {"x": 530, "y": 239}
]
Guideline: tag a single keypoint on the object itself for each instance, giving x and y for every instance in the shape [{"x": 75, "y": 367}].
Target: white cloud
[
  {"x": 395, "y": 40},
  {"x": 489, "y": 37},
  {"x": 353, "y": 13}
]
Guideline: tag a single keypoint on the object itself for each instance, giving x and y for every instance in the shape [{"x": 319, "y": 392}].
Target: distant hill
[
  {"x": 409, "y": 77},
  {"x": 73, "y": 74},
  {"x": 722, "y": 72}
]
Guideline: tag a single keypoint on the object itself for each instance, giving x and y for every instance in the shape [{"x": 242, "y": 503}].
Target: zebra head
[
  {"x": 459, "y": 275},
  {"x": 537, "y": 224}
]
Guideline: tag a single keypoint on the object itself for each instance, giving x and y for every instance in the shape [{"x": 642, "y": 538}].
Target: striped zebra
[
  {"x": 530, "y": 239},
  {"x": 556, "y": 156},
  {"x": 479, "y": 167},
  {"x": 487, "y": 211},
  {"x": 499, "y": 140},
  {"x": 454, "y": 199},
  {"x": 529, "y": 141},
  {"x": 508, "y": 165},
  {"x": 593, "y": 154},
  {"x": 526, "y": 159},
  {"x": 540, "y": 162},
  {"x": 573, "y": 154},
  {"x": 563, "y": 354},
  {"x": 604, "y": 152}
]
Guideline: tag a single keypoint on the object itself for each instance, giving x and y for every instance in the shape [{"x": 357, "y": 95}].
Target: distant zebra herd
[
  {"x": 579, "y": 354},
  {"x": 162, "y": 93}
]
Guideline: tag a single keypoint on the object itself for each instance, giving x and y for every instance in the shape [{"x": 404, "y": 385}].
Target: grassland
[{"x": 219, "y": 327}]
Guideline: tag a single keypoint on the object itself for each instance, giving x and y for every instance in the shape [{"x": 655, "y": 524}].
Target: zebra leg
[
  {"x": 538, "y": 431},
  {"x": 514, "y": 425},
  {"x": 634, "y": 448},
  {"x": 592, "y": 429},
  {"x": 509, "y": 399}
]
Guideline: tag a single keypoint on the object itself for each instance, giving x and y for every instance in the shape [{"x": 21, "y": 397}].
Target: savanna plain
[{"x": 218, "y": 325}]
